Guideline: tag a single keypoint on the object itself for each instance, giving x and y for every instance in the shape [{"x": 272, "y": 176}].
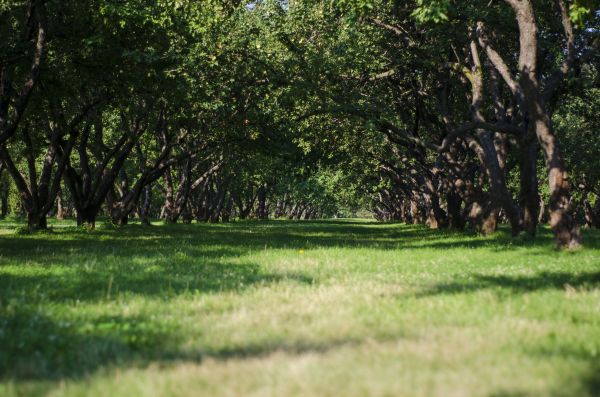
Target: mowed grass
[{"x": 330, "y": 308}]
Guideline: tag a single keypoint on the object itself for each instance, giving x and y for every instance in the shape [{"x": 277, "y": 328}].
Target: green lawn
[{"x": 332, "y": 308}]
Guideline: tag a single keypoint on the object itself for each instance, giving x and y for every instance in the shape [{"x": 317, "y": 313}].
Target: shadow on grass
[
  {"x": 158, "y": 281},
  {"x": 239, "y": 238},
  {"x": 37, "y": 347},
  {"x": 591, "y": 381},
  {"x": 588, "y": 383},
  {"x": 70, "y": 265},
  {"x": 518, "y": 284}
]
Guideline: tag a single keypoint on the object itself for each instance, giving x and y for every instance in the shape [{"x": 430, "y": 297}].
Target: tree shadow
[
  {"x": 591, "y": 381},
  {"x": 238, "y": 238},
  {"x": 166, "y": 277},
  {"x": 72, "y": 265},
  {"x": 169, "y": 260},
  {"x": 37, "y": 347},
  {"x": 517, "y": 284},
  {"x": 588, "y": 383}
]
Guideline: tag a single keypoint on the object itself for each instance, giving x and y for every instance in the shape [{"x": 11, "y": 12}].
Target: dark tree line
[{"x": 439, "y": 112}]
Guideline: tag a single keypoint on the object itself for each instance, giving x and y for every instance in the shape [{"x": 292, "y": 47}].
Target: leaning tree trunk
[
  {"x": 415, "y": 212},
  {"x": 219, "y": 206},
  {"x": 487, "y": 154},
  {"x": 169, "y": 210},
  {"x": 562, "y": 221},
  {"x": 563, "y": 224}
]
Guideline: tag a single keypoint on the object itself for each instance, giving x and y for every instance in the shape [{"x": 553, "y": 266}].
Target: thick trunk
[
  {"x": 563, "y": 225},
  {"x": 117, "y": 217},
  {"x": 120, "y": 221},
  {"x": 475, "y": 215},
  {"x": 455, "y": 218},
  {"x": 436, "y": 218},
  {"x": 415, "y": 213},
  {"x": 87, "y": 218},
  {"x": 36, "y": 220},
  {"x": 186, "y": 214},
  {"x": 529, "y": 187},
  {"x": 489, "y": 223},
  {"x": 562, "y": 222}
]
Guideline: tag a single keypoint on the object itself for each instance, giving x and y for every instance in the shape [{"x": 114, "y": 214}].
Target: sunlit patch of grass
[{"x": 281, "y": 308}]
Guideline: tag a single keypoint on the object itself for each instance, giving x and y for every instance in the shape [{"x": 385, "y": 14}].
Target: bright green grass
[{"x": 336, "y": 308}]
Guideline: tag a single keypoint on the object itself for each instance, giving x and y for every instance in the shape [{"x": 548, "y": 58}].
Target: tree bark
[
  {"x": 566, "y": 231},
  {"x": 489, "y": 157},
  {"x": 529, "y": 186}
]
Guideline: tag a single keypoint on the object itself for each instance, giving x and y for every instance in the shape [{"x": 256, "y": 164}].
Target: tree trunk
[
  {"x": 489, "y": 222},
  {"x": 186, "y": 214},
  {"x": 499, "y": 194},
  {"x": 529, "y": 186},
  {"x": 169, "y": 210},
  {"x": 455, "y": 218},
  {"x": 566, "y": 231},
  {"x": 226, "y": 213},
  {"x": 87, "y": 218},
  {"x": 415, "y": 213},
  {"x": 4, "y": 207},
  {"x": 120, "y": 221},
  {"x": 60, "y": 209},
  {"x": 36, "y": 220},
  {"x": 488, "y": 155},
  {"x": 436, "y": 218},
  {"x": 596, "y": 213},
  {"x": 145, "y": 206},
  {"x": 219, "y": 205},
  {"x": 261, "y": 212},
  {"x": 563, "y": 224}
]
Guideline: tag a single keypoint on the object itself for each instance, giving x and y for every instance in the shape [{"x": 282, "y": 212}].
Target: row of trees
[
  {"x": 107, "y": 107},
  {"x": 465, "y": 109},
  {"x": 437, "y": 111}
]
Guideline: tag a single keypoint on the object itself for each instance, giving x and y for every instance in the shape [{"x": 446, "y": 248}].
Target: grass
[{"x": 331, "y": 308}]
